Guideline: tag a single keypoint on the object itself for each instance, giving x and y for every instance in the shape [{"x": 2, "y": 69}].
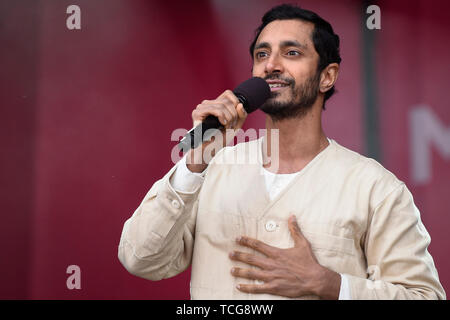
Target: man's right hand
[{"x": 231, "y": 115}]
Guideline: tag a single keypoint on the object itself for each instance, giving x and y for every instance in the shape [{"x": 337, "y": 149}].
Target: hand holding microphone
[{"x": 228, "y": 111}]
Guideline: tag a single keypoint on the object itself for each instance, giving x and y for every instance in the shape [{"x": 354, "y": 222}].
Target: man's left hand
[{"x": 292, "y": 272}]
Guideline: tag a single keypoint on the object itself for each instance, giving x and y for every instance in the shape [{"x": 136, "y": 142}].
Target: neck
[{"x": 300, "y": 140}]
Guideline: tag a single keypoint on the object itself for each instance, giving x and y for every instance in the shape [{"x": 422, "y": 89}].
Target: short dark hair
[{"x": 326, "y": 42}]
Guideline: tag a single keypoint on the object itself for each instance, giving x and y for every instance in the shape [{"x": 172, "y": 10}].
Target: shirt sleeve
[
  {"x": 399, "y": 265},
  {"x": 344, "y": 292},
  {"x": 157, "y": 240},
  {"x": 184, "y": 180}
]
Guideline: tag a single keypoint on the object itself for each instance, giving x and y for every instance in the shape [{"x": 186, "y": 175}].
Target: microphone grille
[{"x": 255, "y": 91}]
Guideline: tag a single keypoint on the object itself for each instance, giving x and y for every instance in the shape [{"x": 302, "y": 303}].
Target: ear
[{"x": 328, "y": 77}]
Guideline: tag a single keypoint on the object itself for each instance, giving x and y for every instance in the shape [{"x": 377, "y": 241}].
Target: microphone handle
[{"x": 196, "y": 135}]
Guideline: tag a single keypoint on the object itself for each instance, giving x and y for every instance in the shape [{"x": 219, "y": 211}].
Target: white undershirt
[
  {"x": 184, "y": 180},
  {"x": 276, "y": 182}
]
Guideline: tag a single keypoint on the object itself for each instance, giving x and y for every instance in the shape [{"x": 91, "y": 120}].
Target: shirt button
[
  {"x": 176, "y": 204},
  {"x": 271, "y": 225}
]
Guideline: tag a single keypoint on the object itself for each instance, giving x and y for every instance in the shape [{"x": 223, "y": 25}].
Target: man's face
[{"x": 285, "y": 57}]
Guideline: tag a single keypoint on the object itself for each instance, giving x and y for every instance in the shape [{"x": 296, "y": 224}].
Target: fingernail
[
  {"x": 238, "y": 286},
  {"x": 238, "y": 239}
]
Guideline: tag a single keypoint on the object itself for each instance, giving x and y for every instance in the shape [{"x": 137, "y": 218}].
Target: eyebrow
[{"x": 283, "y": 44}]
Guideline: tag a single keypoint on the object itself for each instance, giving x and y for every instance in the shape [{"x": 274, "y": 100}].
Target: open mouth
[{"x": 276, "y": 85}]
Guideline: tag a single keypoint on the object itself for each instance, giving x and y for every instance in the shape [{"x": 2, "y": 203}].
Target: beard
[{"x": 302, "y": 98}]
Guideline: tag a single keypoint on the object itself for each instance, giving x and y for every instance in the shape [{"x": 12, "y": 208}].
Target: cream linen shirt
[
  {"x": 360, "y": 219},
  {"x": 184, "y": 180}
]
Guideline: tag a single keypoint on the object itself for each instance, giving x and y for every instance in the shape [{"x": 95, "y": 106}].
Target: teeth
[{"x": 276, "y": 85}]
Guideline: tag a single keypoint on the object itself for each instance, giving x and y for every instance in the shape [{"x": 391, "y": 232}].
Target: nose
[{"x": 274, "y": 64}]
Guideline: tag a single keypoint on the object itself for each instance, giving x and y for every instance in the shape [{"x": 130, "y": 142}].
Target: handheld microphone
[{"x": 252, "y": 93}]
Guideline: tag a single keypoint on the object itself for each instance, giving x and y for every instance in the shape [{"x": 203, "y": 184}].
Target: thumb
[
  {"x": 241, "y": 111},
  {"x": 242, "y": 115},
  {"x": 296, "y": 233}
]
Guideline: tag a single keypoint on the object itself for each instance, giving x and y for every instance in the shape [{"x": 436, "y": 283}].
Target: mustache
[{"x": 289, "y": 81}]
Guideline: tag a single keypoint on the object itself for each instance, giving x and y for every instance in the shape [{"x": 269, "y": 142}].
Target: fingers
[
  {"x": 242, "y": 115},
  {"x": 232, "y": 106},
  {"x": 295, "y": 231},
  {"x": 256, "y": 288},
  {"x": 251, "y": 259},
  {"x": 226, "y": 108},
  {"x": 258, "y": 246},
  {"x": 252, "y": 274},
  {"x": 214, "y": 108},
  {"x": 229, "y": 95}
]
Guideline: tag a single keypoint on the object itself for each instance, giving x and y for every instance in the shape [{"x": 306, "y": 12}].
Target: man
[{"x": 325, "y": 222}]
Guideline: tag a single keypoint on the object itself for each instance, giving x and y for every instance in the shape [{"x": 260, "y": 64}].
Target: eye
[
  {"x": 261, "y": 54},
  {"x": 293, "y": 53}
]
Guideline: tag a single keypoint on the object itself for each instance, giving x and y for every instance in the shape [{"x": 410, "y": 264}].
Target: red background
[{"x": 86, "y": 118}]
